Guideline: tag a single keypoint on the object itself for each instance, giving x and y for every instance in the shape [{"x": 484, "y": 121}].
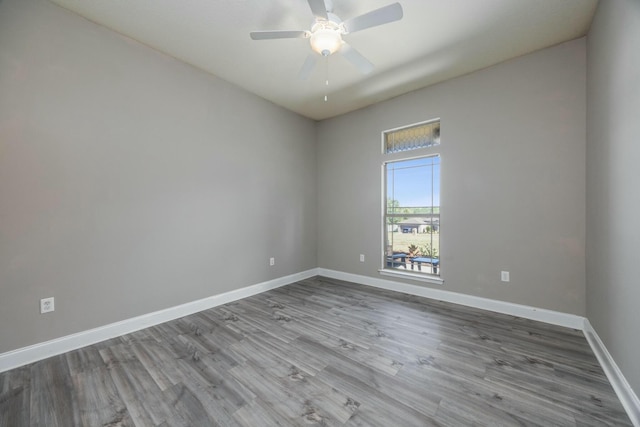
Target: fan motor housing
[{"x": 326, "y": 36}]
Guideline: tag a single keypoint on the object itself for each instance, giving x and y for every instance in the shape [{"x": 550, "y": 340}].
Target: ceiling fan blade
[
  {"x": 356, "y": 58},
  {"x": 318, "y": 9},
  {"x": 268, "y": 35},
  {"x": 308, "y": 66},
  {"x": 384, "y": 15}
]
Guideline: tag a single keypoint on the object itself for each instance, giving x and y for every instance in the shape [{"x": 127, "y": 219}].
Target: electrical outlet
[
  {"x": 361, "y": 257},
  {"x": 272, "y": 261},
  {"x": 47, "y": 305},
  {"x": 504, "y": 276}
]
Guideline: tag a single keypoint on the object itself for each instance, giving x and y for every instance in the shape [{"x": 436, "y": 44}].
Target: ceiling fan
[{"x": 327, "y": 31}]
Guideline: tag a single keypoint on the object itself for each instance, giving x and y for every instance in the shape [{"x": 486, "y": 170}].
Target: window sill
[{"x": 412, "y": 276}]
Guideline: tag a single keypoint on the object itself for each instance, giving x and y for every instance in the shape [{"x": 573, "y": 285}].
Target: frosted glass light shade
[{"x": 326, "y": 41}]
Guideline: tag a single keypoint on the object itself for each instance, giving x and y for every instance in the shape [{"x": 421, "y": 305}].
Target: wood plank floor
[{"x": 322, "y": 352}]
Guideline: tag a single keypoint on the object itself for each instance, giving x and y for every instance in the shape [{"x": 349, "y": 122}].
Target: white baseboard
[
  {"x": 33, "y": 353},
  {"x": 619, "y": 383},
  {"x": 540, "y": 314}
]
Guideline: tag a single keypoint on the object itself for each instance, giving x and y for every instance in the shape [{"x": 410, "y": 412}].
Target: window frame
[{"x": 418, "y": 153}]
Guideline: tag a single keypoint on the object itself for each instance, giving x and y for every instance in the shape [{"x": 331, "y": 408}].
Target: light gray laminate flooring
[{"x": 322, "y": 352}]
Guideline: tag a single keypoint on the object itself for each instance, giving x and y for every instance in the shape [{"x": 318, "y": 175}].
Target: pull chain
[{"x": 326, "y": 81}]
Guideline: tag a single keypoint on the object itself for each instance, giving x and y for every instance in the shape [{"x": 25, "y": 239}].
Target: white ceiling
[{"x": 434, "y": 41}]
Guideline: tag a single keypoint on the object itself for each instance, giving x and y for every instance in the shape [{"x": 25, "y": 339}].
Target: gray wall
[
  {"x": 513, "y": 180},
  {"x": 131, "y": 182},
  {"x": 613, "y": 204}
]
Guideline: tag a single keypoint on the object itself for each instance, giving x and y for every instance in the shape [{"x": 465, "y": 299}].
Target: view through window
[{"x": 412, "y": 215}]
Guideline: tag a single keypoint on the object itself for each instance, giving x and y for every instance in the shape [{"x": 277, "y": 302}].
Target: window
[
  {"x": 412, "y": 216},
  {"x": 421, "y": 135}
]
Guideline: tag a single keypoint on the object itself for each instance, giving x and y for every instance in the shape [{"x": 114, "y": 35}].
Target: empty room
[{"x": 319, "y": 212}]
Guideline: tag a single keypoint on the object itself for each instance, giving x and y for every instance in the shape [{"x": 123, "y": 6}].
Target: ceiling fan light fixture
[
  {"x": 327, "y": 30},
  {"x": 326, "y": 41}
]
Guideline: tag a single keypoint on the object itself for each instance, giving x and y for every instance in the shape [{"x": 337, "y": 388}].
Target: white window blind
[{"x": 412, "y": 137}]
